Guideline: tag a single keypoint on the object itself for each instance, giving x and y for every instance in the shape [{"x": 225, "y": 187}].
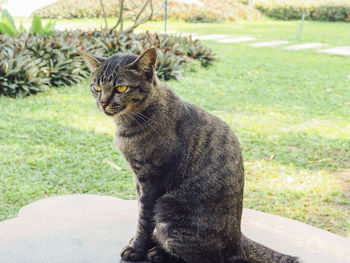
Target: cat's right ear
[
  {"x": 146, "y": 62},
  {"x": 93, "y": 62}
]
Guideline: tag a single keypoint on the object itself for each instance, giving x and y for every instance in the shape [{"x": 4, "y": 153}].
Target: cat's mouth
[{"x": 113, "y": 111}]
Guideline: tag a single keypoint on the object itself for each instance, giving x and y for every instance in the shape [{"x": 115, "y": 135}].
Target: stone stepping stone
[
  {"x": 169, "y": 32},
  {"x": 213, "y": 37},
  {"x": 305, "y": 46},
  {"x": 337, "y": 51},
  {"x": 187, "y": 34},
  {"x": 237, "y": 39},
  {"x": 93, "y": 229},
  {"x": 269, "y": 43}
]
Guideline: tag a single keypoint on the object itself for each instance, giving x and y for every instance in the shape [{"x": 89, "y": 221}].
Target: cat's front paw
[
  {"x": 157, "y": 255},
  {"x": 129, "y": 253},
  {"x": 297, "y": 260}
]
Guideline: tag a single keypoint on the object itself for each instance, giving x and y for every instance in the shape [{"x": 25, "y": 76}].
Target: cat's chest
[
  {"x": 144, "y": 155},
  {"x": 136, "y": 147}
]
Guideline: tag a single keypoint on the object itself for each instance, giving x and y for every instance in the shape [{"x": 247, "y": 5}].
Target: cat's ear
[
  {"x": 146, "y": 62},
  {"x": 93, "y": 62}
]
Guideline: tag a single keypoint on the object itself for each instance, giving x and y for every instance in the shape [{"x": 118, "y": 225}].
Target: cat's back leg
[
  {"x": 184, "y": 245},
  {"x": 189, "y": 237}
]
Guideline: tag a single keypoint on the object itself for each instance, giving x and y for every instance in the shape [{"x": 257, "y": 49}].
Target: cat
[{"x": 187, "y": 163}]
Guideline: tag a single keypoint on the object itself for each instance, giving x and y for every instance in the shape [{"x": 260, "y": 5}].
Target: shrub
[
  {"x": 324, "y": 10},
  {"x": 212, "y": 10},
  {"x": 77, "y": 9},
  {"x": 20, "y": 73},
  {"x": 331, "y": 12},
  {"x": 197, "y": 50},
  {"x": 62, "y": 66},
  {"x": 30, "y": 62}
]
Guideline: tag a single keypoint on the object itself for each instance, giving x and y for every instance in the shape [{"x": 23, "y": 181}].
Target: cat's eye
[
  {"x": 96, "y": 88},
  {"x": 122, "y": 89}
]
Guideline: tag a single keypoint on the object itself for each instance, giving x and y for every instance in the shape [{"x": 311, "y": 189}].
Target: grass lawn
[
  {"x": 325, "y": 32},
  {"x": 289, "y": 109}
]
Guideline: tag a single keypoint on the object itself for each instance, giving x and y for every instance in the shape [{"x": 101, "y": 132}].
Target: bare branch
[
  {"x": 136, "y": 22},
  {"x": 141, "y": 10},
  {"x": 104, "y": 13},
  {"x": 120, "y": 16},
  {"x": 133, "y": 3}
]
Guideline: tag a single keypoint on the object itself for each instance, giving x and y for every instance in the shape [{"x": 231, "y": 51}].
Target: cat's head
[{"x": 122, "y": 82}]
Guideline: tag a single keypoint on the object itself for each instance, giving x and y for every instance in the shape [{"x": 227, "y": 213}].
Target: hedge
[
  {"x": 29, "y": 63},
  {"x": 322, "y": 10},
  {"x": 211, "y": 10}
]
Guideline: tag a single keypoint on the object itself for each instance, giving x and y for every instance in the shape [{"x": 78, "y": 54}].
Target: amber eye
[
  {"x": 122, "y": 89},
  {"x": 97, "y": 88}
]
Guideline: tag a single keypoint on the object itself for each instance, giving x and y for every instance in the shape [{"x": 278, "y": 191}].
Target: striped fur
[{"x": 188, "y": 165}]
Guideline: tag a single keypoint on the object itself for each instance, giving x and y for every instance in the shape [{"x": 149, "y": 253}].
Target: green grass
[
  {"x": 325, "y": 32},
  {"x": 267, "y": 29},
  {"x": 330, "y": 33},
  {"x": 290, "y": 111}
]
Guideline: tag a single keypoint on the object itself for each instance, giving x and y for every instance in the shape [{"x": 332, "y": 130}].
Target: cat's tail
[{"x": 257, "y": 253}]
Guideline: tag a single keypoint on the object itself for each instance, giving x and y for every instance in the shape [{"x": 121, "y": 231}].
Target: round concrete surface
[{"x": 93, "y": 229}]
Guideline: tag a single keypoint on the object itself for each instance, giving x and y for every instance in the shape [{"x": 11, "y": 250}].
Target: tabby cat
[{"x": 188, "y": 167}]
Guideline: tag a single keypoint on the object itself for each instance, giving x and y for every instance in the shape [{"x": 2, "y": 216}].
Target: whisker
[
  {"x": 135, "y": 120},
  {"x": 141, "y": 117}
]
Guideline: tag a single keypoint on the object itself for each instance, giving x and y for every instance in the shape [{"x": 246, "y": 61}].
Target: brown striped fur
[{"x": 188, "y": 165}]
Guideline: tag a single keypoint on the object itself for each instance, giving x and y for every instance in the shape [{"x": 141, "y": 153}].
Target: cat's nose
[{"x": 103, "y": 104}]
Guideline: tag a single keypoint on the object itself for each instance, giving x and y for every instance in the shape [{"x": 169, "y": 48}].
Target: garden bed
[{"x": 29, "y": 63}]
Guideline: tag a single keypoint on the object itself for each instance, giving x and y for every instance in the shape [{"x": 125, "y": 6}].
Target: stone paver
[
  {"x": 305, "y": 46},
  {"x": 93, "y": 229},
  {"x": 213, "y": 37},
  {"x": 269, "y": 43},
  {"x": 337, "y": 51},
  {"x": 237, "y": 39},
  {"x": 186, "y": 34}
]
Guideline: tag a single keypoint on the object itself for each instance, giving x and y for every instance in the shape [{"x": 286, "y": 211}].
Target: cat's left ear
[
  {"x": 146, "y": 62},
  {"x": 93, "y": 62}
]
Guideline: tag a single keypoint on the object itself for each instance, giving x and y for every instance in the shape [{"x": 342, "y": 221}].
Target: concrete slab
[
  {"x": 237, "y": 39},
  {"x": 187, "y": 34},
  {"x": 93, "y": 229},
  {"x": 305, "y": 46},
  {"x": 213, "y": 37},
  {"x": 269, "y": 43},
  {"x": 345, "y": 51},
  {"x": 169, "y": 32}
]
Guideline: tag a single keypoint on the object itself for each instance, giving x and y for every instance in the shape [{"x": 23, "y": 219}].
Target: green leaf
[
  {"x": 6, "y": 16},
  {"x": 6, "y": 29},
  {"x": 22, "y": 28},
  {"x": 49, "y": 28},
  {"x": 37, "y": 27}
]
